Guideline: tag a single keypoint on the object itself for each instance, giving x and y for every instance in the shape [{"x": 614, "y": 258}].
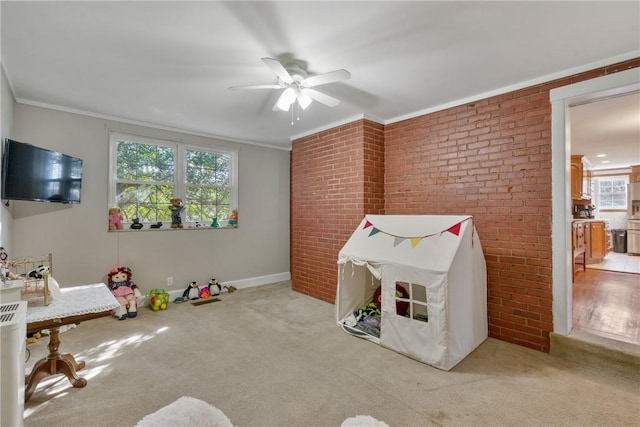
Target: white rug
[
  {"x": 363, "y": 421},
  {"x": 192, "y": 412},
  {"x": 186, "y": 412}
]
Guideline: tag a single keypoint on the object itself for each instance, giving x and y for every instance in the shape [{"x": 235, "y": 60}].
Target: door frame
[{"x": 561, "y": 99}]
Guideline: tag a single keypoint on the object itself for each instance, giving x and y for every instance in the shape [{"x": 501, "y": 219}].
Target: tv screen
[{"x": 37, "y": 174}]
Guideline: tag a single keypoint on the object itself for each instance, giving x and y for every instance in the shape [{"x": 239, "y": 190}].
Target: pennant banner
[
  {"x": 455, "y": 229},
  {"x": 415, "y": 240}
]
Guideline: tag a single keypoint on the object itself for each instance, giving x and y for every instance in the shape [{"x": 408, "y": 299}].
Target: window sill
[
  {"x": 168, "y": 228},
  {"x": 607, "y": 210}
]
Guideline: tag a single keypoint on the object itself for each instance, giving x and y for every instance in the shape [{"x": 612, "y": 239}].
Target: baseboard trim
[{"x": 238, "y": 284}]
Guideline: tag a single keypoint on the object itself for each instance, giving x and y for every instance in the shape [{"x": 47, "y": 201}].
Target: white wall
[
  {"x": 6, "y": 121},
  {"x": 84, "y": 251}
]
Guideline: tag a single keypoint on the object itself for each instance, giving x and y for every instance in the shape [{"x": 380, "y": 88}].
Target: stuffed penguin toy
[
  {"x": 192, "y": 292},
  {"x": 214, "y": 287}
]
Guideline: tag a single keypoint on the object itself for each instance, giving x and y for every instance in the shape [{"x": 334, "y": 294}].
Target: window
[
  {"x": 414, "y": 303},
  {"x": 147, "y": 173},
  {"x": 612, "y": 192}
]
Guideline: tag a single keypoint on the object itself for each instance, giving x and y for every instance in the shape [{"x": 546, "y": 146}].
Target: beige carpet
[{"x": 268, "y": 356}]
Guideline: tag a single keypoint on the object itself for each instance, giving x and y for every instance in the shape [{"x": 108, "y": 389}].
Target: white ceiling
[
  {"x": 171, "y": 63},
  {"x": 607, "y": 131}
]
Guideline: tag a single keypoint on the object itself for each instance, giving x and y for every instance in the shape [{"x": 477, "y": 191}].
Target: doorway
[{"x": 561, "y": 100}]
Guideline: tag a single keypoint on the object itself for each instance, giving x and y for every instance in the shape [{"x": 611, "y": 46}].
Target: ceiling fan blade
[
  {"x": 277, "y": 68},
  {"x": 255, "y": 87},
  {"x": 322, "y": 98},
  {"x": 323, "y": 79}
]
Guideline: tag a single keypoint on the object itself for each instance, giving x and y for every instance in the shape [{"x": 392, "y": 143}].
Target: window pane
[
  {"x": 146, "y": 202},
  {"x": 612, "y": 193},
  {"x": 207, "y": 192},
  {"x": 144, "y": 162}
]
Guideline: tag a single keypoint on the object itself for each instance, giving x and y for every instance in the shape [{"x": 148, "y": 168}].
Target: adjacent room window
[
  {"x": 146, "y": 173},
  {"x": 612, "y": 192}
]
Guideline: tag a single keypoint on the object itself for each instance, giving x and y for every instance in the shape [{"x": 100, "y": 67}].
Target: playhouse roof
[{"x": 422, "y": 241}]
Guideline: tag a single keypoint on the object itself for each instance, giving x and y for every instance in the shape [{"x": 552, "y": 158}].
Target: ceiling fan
[{"x": 298, "y": 85}]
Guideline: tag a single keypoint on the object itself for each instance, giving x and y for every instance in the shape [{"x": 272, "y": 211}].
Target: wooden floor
[{"x": 607, "y": 304}]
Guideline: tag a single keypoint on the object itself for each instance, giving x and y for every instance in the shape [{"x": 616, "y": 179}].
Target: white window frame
[
  {"x": 413, "y": 300},
  {"x": 179, "y": 166},
  {"x": 625, "y": 178}
]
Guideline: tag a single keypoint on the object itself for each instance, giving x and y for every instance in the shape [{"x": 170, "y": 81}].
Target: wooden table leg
[{"x": 55, "y": 363}]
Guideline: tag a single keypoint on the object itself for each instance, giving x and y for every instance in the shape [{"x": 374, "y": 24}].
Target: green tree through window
[
  {"x": 207, "y": 186},
  {"x": 147, "y": 173}
]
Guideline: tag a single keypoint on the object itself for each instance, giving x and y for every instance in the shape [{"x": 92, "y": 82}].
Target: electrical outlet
[{"x": 169, "y": 281}]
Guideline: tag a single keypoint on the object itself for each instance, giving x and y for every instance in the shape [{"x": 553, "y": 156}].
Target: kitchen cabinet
[
  {"x": 597, "y": 239},
  {"x": 581, "y": 174},
  {"x": 578, "y": 245}
]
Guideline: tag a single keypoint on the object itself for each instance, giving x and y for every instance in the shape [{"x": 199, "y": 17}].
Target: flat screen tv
[{"x": 37, "y": 174}]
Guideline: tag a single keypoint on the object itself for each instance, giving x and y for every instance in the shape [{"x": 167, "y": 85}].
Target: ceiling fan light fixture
[
  {"x": 304, "y": 100},
  {"x": 287, "y": 98}
]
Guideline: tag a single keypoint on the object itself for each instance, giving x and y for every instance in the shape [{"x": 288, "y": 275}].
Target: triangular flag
[
  {"x": 373, "y": 231},
  {"x": 415, "y": 241},
  {"x": 398, "y": 240},
  {"x": 455, "y": 229},
  {"x": 367, "y": 225}
]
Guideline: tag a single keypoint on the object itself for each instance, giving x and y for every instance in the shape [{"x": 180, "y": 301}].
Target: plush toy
[
  {"x": 176, "y": 208},
  {"x": 115, "y": 219},
  {"x": 192, "y": 291},
  {"x": 125, "y": 291},
  {"x": 401, "y": 306},
  {"x": 233, "y": 218},
  {"x": 5, "y": 266},
  {"x": 204, "y": 293},
  {"x": 214, "y": 287},
  {"x": 38, "y": 272}
]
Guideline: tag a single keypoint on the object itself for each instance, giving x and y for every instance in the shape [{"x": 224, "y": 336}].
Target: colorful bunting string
[{"x": 415, "y": 240}]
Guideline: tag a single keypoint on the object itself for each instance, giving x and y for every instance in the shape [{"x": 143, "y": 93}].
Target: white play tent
[{"x": 438, "y": 260}]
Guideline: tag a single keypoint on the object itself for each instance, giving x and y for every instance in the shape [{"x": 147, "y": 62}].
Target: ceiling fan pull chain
[{"x": 292, "y": 117}]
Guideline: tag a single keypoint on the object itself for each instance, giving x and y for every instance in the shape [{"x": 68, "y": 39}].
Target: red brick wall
[
  {"x": 490, "y": 158},
  {"x": 337, "y": 176}
]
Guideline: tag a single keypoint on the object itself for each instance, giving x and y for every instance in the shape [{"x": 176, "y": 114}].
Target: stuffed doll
[
  {"x": 176, "y": 208},
  {"x": 214, "y": 287},
  {"x": 125, "y": 291},
  {"x": 192, "y": 291},
  {"x": 115, "y": 219},
  {"x": 5, "y": 265},
  {"x": 233, "y": 218}
]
